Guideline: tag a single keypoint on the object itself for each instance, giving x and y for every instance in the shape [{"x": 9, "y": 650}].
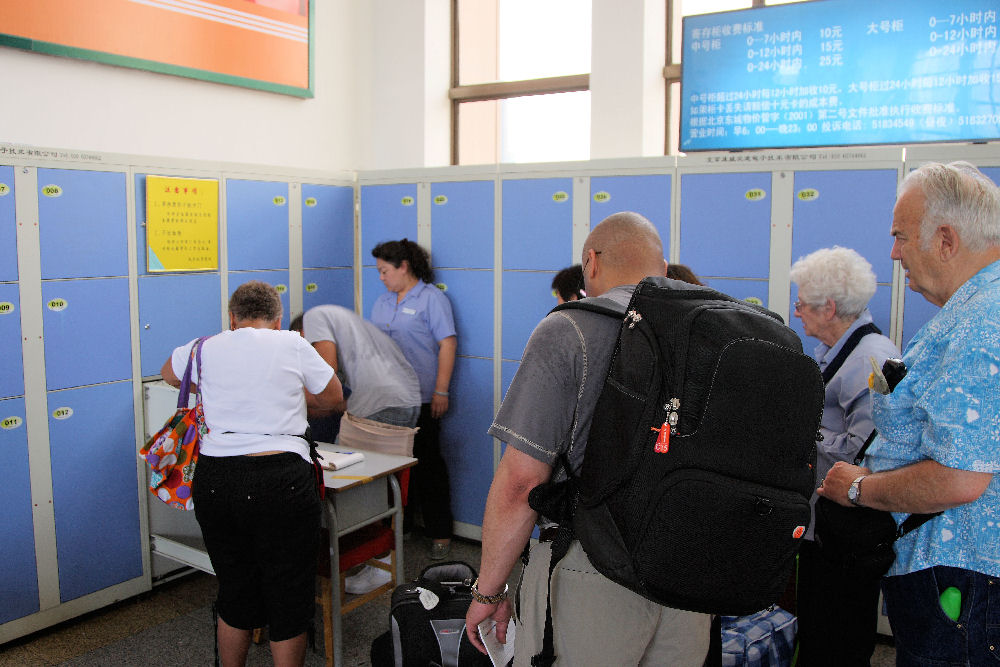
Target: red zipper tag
[{"x": 663, "y": 439}]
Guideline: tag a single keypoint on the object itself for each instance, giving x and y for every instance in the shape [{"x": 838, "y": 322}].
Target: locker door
[
  {"x": 173, "y": 309},
  {"x": 19, "y": 574},
  {"x": 86, "y": 331},
  {"x": 140, "y": 228},
  {"x": 8, "y": 226},
  {"x": 276, "y": 279},
  {"x": 82, "y": 223},
  {"x": 11, "y": 361},
  {"x": 371, "y": 289},
  {"x": 388, "y": 213},
  {"x": 327, "y": 225},
  {"x": 257, "y": 225},
  {"x": 92, "y": 440},
  {"x": 527, "y": 300},
  {"x": 646, "y": 194},
  {"x": 538, "y": 224},
  {"x": 462, "y": 217},
  {"x": 323, "y": 286},
  {"x": 471, "y": 296},
  {"x": 466, "y": 446}
]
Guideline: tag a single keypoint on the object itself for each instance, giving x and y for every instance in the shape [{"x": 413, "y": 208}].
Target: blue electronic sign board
[{"x": 840, "y": 73}]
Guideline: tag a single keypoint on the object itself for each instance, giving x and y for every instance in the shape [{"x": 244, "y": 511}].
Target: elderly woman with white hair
[{"x": 837, "y": 608}]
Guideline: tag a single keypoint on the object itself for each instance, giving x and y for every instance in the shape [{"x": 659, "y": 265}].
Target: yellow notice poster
[{"x": 182, "y": 224}]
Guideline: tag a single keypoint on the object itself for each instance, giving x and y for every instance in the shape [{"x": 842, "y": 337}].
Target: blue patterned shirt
[{"x": 947, "y": 408}]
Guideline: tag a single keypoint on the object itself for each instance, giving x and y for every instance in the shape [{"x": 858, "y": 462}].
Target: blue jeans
[
  {"x": 925, "y": 636},
  {"x": 397, "y": 416}
]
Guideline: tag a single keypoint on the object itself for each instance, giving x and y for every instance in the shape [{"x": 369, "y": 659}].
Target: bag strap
[
  {"x": 849, "y": 345},
  {"x": 560, "y": 547},
  {"x": 194, "y": 359}
]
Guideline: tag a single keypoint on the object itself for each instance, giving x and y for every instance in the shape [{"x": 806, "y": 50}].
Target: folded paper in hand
[
  {"x": 500, "y": 654},
  {"x": 332, "y": 460}
]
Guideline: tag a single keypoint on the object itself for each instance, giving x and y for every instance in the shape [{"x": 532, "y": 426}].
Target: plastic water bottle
[{"x": 951, "y": 602}]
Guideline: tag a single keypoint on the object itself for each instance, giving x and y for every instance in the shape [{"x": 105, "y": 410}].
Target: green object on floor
[{"x": 951, "y": 602}]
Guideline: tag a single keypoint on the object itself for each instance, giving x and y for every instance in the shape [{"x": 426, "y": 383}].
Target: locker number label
[
  {"x": 406, "y": 201},
  {"x": 312, "y": 287},
  {"x": 755, "y": 195},
  {"x": 279, "y": 201},
  {"x": 559, "y": 196},
  {"x": 6, "y": 308},
  {"x": 57, "y": 304},
  {"x": 281, "y": 289},
  {"x": 440, "y": 200},
  {"x": 441, "y": 286},
  {"x": 11, "y": 423},
  {"x": 808, "y": 194},
  {"x": 602, "y": 196},
  {"x": 62, "y": 413},
  {"x": 755, "y": 300},
  {"x": 4, "y": 189},
  {"x": 311, "y": 201},
  {"x": 51, "y": 190}
]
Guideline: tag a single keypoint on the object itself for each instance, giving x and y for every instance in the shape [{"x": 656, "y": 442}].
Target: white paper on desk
[
  {"x": 500, "y": 654},
  {"x": 339, "y": 460}
]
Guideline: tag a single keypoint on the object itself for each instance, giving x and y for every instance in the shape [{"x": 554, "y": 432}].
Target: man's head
[
  {"x": 622, "y": 249},
  {"x": 946, "y": 225}
]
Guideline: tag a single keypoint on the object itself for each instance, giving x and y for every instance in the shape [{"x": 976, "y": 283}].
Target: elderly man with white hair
[
  {"x": 939, "y": 429},
  {"x": 837, "y": 606}
]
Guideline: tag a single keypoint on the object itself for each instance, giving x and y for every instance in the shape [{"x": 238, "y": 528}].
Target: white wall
[{"x": 76, "y": 104}]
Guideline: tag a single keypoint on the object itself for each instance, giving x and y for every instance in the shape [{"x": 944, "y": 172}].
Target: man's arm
[
  {"x": 328, "y": 350},
  {"x": 327, "y": 400},
  {"x": 922, "y": 487},
  {"x": 507, "y": 525}
]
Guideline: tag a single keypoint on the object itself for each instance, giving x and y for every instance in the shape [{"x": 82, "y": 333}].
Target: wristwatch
[{"x": 854, "y": 493}]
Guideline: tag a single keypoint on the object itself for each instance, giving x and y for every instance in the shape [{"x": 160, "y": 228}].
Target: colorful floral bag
[{"x": 172, "y": 452}]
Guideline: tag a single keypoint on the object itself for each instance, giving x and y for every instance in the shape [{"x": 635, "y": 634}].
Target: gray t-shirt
[
  {"x": 373, "y": 365},
  {"x": 550, "y": 403}
]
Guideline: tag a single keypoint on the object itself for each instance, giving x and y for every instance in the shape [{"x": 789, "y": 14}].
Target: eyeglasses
[{"x": 596, "y": 252}]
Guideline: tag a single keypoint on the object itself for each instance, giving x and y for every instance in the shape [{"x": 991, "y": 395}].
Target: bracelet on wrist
[
  {"x": 488, "y": 599},
  {"x": 441, "y": 393}
]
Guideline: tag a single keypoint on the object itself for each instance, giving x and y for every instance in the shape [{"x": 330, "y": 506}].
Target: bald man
[{"x": 547, "y": 413}]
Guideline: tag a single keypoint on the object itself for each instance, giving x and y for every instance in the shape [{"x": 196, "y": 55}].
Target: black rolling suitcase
[{"x": 428, "y": 621}]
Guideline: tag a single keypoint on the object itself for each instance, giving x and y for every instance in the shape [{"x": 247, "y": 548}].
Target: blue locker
[
  {"x": 86, "y": 330},
  {"x": 257, "y": 225},
  {"x": 852, "y": 209},
  {"x": 647, "y": 194},
  {"x": 992, "y": 172},
  {"x": 740, "y": 289},
  {"x": 538, "y": 224},
  {"x": 276, "y": 279},
  {"x": 388, "y": 213},
  {"x": 507, "y": 371},
  {"x": 726, "y": 224},
  {"x": 19, "y": 574},
  {"x": 322, "y": 286},
  {"x": 82, "y": 223},
  {"x": 92, "y": 429},
  {"x": 465, "y": 444},
  {"x": 528, "y": 299},
  {"x": 11, "y": 361},
  {"x": 8, "y": 226},
  {"x": 917, "y": 311},
  {"x": 327, "y": 225},
  {"x": 880, "y": 307},
  {"x": 371, "y": 289},
  {"x": 462, "y": 222},
  {"x": 471, "y": 296},
  {"x": 173, "y": 309}
]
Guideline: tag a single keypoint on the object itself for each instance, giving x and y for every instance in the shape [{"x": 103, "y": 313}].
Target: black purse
[{"x": 860, "y": 539}]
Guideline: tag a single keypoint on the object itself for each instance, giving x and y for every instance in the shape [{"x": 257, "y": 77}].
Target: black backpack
[{"x": 700, "y": 462}]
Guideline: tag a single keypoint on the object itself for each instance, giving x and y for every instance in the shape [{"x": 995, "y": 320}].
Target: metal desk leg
[
  {"x": 397, "y": 522},
  {"x": 331, "y": 523}
]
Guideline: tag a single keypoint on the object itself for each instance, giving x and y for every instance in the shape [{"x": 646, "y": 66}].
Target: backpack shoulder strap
[
  {"x": 595, "y": 304},
  {"x": 849, "y": 345}
]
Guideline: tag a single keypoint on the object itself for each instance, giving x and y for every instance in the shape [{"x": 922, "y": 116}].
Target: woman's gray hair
[
  {"x": 960, "y": 195},
  {"x": 835, "y": 273},
  {"x": 255, "y": 300}
]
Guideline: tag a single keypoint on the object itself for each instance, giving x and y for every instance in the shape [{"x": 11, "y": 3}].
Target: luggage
[
  {"x": 428, "y": 621},
  {"x": 764, "y": 639},
  {"x": 695, "y": 484}
]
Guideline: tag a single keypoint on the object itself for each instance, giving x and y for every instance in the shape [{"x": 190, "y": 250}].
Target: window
[{"x": 520, "y": 81}]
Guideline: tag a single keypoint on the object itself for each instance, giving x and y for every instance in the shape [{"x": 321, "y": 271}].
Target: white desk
[{"x": 358, "y": 496}]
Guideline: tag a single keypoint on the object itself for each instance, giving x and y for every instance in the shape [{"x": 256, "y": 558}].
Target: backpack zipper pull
[
  {"x": 632, "y": 317},
  {"x": 662, "y": 445}
]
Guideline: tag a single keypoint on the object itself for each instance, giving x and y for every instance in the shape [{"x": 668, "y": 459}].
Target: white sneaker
[{"x": 367, "y": 580}]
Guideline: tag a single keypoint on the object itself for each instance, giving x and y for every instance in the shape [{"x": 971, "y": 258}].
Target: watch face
[{"x": 852, "y": 493}]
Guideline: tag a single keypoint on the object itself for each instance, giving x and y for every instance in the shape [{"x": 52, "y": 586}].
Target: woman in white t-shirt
[{"x": 255, "y": 487}]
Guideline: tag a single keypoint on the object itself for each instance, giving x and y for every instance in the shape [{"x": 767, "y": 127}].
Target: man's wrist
[{"x": 496, "y": 598}]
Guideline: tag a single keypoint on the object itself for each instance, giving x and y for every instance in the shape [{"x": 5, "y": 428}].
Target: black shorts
[{"x": 260, "y": 518}]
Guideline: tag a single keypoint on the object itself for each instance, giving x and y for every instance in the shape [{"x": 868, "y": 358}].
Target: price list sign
[
  {"x": 182, "y": 224},
  {"x": 841, "y": 73}
]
